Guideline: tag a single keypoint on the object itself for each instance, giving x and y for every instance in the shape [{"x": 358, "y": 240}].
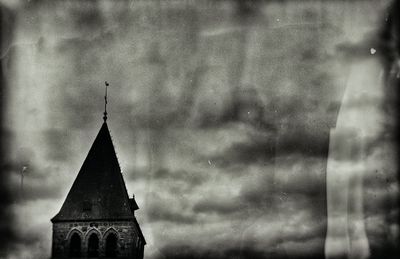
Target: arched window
[
  {"x": 75, "y": 246},
  {"x": 93, "y": 246},
  {"x": 111, "y": 245}
]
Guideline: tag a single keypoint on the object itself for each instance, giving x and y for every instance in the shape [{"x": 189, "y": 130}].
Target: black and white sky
[{"x": 245, "y": 129}]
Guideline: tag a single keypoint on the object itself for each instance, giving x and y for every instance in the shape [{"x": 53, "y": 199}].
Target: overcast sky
[{"x": 221, "y": 115}]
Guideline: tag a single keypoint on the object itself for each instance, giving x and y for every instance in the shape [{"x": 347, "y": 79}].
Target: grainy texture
[{"x": 250, "y": 129}]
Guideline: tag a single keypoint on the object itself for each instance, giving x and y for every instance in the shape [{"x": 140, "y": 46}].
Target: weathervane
[{"x": 105, "y": 103}]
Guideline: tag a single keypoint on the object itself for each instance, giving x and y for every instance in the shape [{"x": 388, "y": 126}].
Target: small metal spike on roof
[{"x": 105, "y": 102}]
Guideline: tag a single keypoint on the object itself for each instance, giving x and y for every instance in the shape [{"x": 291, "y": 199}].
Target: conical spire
[{"x": 99, "y": 190}]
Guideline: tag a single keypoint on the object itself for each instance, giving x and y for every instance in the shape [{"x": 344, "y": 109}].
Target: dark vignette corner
[{"x": 6, "y": 233}]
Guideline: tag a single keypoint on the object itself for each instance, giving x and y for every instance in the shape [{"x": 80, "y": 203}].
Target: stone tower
[{"x": 97, "y": 219}]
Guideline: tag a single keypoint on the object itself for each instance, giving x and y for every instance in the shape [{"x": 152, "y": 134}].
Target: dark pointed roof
[{"x": 99, "y": 191}]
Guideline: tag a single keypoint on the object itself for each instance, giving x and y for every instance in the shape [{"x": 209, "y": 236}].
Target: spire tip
[{"x": 105, "y": 103}]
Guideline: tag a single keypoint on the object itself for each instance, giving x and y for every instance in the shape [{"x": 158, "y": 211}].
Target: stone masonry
[{"x": 128, "y": 245}]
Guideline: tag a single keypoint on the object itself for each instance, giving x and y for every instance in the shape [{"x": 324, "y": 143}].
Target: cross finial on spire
[{"x": 105, "y": 103}]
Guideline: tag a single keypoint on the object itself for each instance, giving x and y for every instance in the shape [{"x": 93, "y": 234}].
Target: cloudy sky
[{"x": 245, "y": 129}]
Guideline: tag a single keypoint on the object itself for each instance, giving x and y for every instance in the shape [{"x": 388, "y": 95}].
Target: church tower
[{"x": 97, "y": 219}]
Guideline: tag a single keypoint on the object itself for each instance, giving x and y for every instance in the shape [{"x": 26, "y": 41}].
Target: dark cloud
[
  {"x": 383, "y": 41},
  {"x": 28, "y": 180},
  {"x": 160, "y": 209},
  {"x": 358, "y": 51},
  {"x": 58, "y": 144},
  {"x": 382, "y": 240},
  {"x": 87, "y": 15},
  {"x": 41, "y": 192},
  {"x": 263, "y": 150},
  {"x": 254, "y": 151},
  {"x": 260, "y": 195},
  {"x": 248, "y": 252},
  {"x": 163, "y": 214},
  {"x": 267, "y": 196},
  {"x": 384, "y": 250},
  {"x": 38, "y": 184},
  {"x": 381, "y": 194},
  {"x": 220, "y": 207},
  {"x": 188, "y": 252},
  {"x": 193, "y": 178},
  {"x": 26, "y": 238},
  {"x": 243, "y": 106},
  {"x": 190, "y": 178},
  {"x": 388, "y": 38},
  {"x": 245, "y": 9},
  {"x": 390, "y": 45},
  {"x": 380, "y": 178},
  {"x": 136, "y": 174},
  {"x": 309, "y": 142}
]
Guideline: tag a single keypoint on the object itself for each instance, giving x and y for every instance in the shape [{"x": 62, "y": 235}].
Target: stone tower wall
[{"x": 129, "y": 244}]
